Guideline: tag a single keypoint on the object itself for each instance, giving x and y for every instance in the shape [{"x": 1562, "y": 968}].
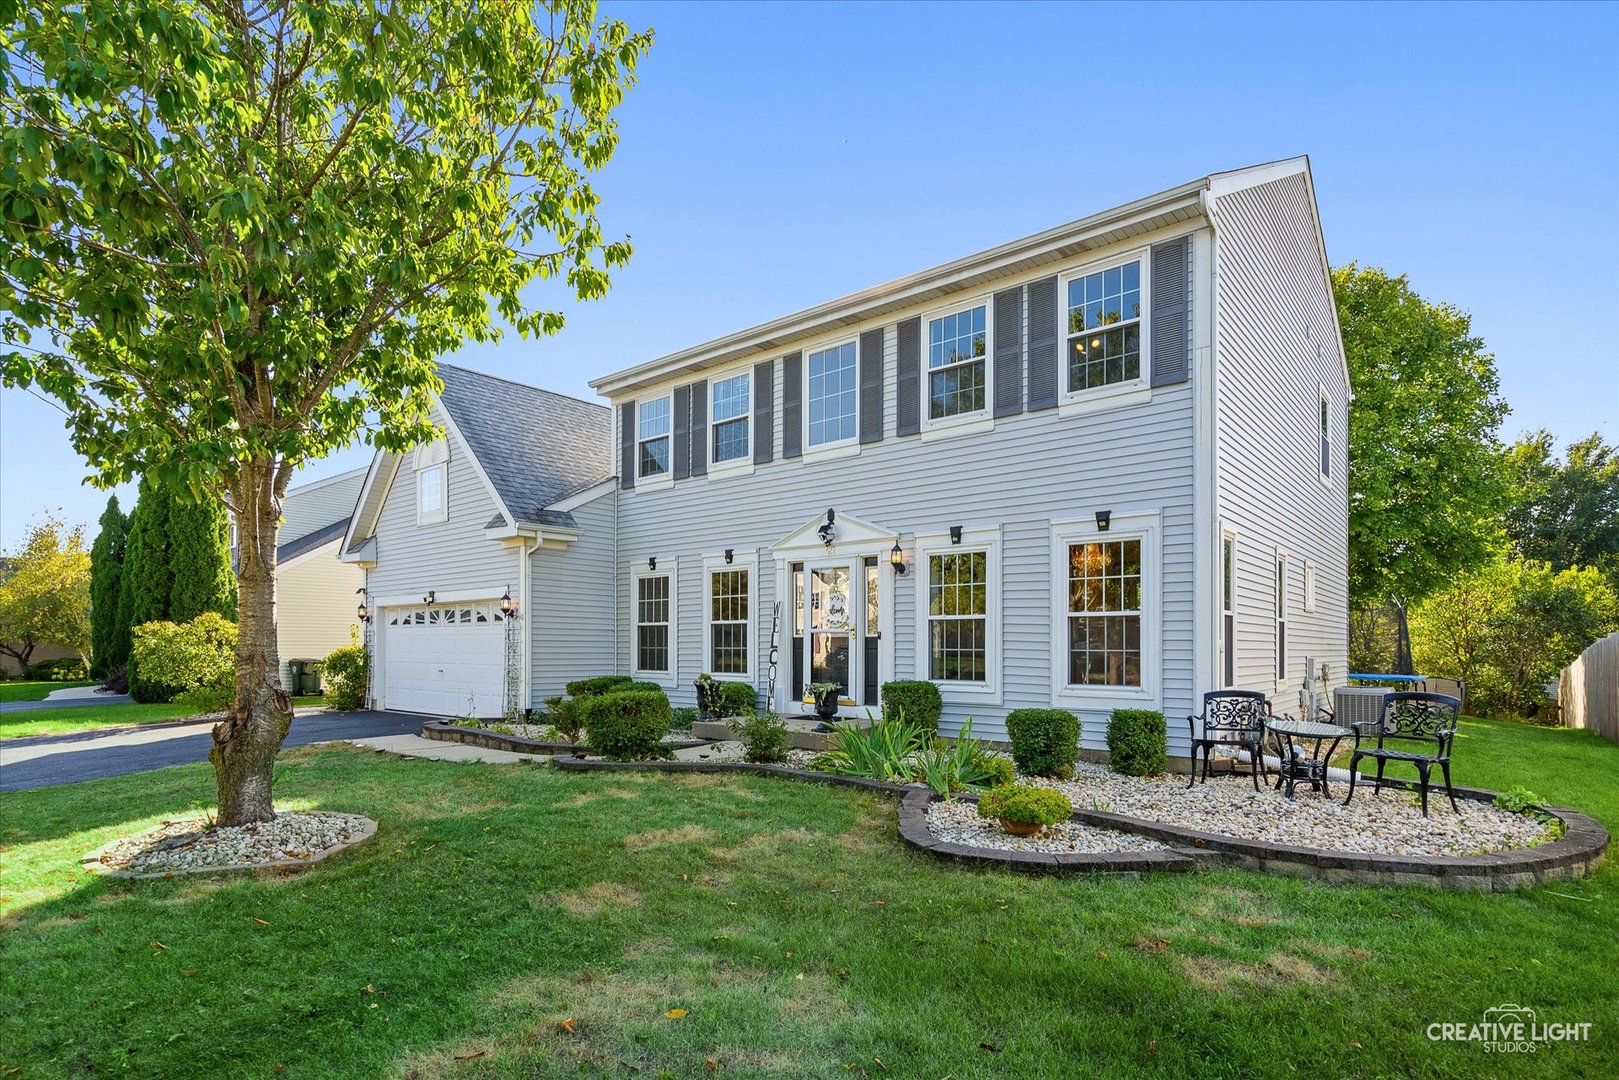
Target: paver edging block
[
  {"x": 92, "y": 862},
  {"x": 494, "y": 740}
]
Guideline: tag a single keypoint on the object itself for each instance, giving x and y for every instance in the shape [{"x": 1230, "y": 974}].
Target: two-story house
[{"x": 1098, "y": 467}]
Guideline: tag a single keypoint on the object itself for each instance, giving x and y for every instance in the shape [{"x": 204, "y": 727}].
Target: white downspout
[{"x": 525, "y": 589}]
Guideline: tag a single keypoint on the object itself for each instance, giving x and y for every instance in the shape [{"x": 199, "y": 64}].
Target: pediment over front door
[{"x": 850, "y": 536}]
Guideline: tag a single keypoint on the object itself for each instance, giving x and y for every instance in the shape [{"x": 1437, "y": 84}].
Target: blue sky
[{"x": 776, "y": 156}]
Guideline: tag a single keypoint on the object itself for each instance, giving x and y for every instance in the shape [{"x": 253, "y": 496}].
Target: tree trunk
[
  {"x": 246, "y": 741},
  {"x": 1403, "y": 664}
]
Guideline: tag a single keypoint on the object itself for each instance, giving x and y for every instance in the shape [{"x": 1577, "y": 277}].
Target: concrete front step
[{"x": 801, "y": 733}]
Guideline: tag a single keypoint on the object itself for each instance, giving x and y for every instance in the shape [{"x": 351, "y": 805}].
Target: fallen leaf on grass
[
  {"x": 260, "y": 921},
  {"x": 713, "y": 1066},
  {"x": 879, "y": 903},
  {"x": 1356, "y": 1045},
  {"x": 75, "y": 915},
  {"x": 676, "y": 1014},
  {"x": 469, "y": 1057},
  {"x": 567, "y": 1025},
  {"x": 158, "y": 945},
  {"x": 1100, "y": 955},
  {"x": 1152, "y": 1047},
  {"x": 991, "y": 1047}
]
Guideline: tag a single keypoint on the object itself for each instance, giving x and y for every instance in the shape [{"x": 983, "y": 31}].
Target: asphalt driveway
[{"x": 46, "y": 760}]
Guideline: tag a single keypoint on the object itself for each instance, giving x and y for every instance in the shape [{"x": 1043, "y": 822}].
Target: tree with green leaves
[
  {"x": 199, "y": 561},
  {"x": 45, "y": 592},
  {"x": 1564, "y": 511},
  {"x": 109, "y": 638},
  {"x": 237, "y": 233},
  {"x": 1425, "y": 478}
]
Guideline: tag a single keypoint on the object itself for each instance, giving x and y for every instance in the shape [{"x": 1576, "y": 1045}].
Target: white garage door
[{"x": 447, "y": 660}]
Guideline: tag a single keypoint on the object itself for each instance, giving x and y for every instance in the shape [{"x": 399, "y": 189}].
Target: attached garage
[{"x": 444, "y": 659}]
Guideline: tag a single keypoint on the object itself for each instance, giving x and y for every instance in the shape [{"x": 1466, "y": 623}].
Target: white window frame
[
  {"x": 1309, "y": 586},
  {"x": 1139, "y": 388},
  {"x": 1142, "y": 525},
  {"x": 745, "y": 461},
  {"x": 1225, "y": 579},
  {"x": 1323, "y": 424},
  {"x": 670, "y": 570},
  {"x": 713, "y": 564},
  {"x": 668, "y": 475},
  {"x": 851, "y": 442},
  {"x": 978, "y": 417},
  {"x": 1279, "y": 643},
  {"x": 432, "y": 466},
  {"x": 987, "y": 540}
]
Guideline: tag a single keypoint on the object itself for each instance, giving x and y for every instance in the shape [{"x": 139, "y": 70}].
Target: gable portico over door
[{"x": 837, "y": 612}]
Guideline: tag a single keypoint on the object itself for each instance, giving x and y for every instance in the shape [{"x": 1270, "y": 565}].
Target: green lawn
[
  {"x": 796, "y": 933},
  {"x": 85, "y": 718},
  {"x": 32, "y": 690}
]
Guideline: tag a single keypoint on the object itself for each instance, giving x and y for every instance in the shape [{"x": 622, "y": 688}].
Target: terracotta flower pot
[{"x": 1022, "y": 828}]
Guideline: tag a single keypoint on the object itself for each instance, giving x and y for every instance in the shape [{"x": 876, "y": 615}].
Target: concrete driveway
[{"x": 46, "y": 760}]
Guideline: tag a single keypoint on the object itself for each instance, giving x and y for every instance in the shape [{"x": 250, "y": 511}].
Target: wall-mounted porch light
[
  {"x": 428, "y": 599},
  {"x": 1104, "y": 518},
  {"x": 652, "y": 563},
  {"x": 728, "y": 556},
  {"x": 955, "y": 534},
  {"x": 508, "y": 606},
  {"x": 363, "y": 611},
  {"x": 896, "y": 559}
]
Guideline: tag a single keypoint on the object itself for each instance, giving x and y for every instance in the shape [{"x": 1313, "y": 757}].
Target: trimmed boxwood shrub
[
  {"x": 59, "y": 669},
  {"x": 916, "y": 700},
  {"x": 628, "y": 725},
  {"x": 738, "y": 699},
  {"x": 1024, "y": 804},
  {"x": 999, "y": 770},
  {"x": 1045, "y": 742},
  {"x": 596, "y": 684},
  {"x": 173, "y": 658},
  {"x": 345, "y": 672},
  {"x": 1136, "y": 742}
]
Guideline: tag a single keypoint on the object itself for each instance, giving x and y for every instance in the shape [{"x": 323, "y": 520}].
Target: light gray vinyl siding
[
  {"x": 451, "y": 556},
  {"x": 1276, "y": 347},
  {"x": 1031, "y": 470},
  {"x": 572, "y": 603},
  {"x": 314, "y": 506}
]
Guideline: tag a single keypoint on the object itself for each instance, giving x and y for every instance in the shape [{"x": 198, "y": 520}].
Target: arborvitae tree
[
  {"x": 148, "y": 580},
  {"x": 199, "y": 561},
  {"x": 109, "y": 637}
]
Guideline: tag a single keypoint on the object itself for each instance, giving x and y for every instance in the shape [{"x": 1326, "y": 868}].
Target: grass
[
  {"x": 518, "y": 921},
  {"x": 34, "y": 690},
  {"x": 65, "y": 721}
]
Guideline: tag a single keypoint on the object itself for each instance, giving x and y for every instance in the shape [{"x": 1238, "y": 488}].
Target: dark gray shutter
[
  {"x": 681, "y": 444},
  {"x": 871, "y": 386},
  {"x": 908, "y": 377},
  {"x": 792, "y": 405},
  {"x": 626, "y": 444},
  {"x": 1008, "y": 352},
  {"x": 764, "y": 411},
  {"x": 699, "y": 428},
  {"x": 1043, "y": 351},
  {"x": 1171, "y": 296}
]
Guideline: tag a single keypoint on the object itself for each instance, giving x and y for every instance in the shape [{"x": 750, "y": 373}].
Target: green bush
[
  {"x": 915, "y": 700},
  {"x": 948, "y": 766},
  {"x": 738, "y": 699},
  {"x": 1518, "y": 800},
  {"x": 345, "y": 673},
  {"x": 206, "y": 699},
  {"x": 566, "y": 717},
  {"x": 1023, "y": 804},
  {"x": 596, "y": 684},
  {"x": 639, "y": 686},
  {"x": 999, "y": 772},
  {"x": 1135, "y": 742},
  {"x": 764, "y": 738},
  {"x": 682, "y": 719},
  {"x": 61, "y": 669},
  {"x": 886, "y": 752},
  {"x": 1045, "y": 742},
  {"x": 628, "y": 725},
  {"x": 173, "y": 658}
]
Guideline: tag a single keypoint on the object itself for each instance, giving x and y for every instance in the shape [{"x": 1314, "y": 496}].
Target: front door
[{"x": 837, "y": 628}]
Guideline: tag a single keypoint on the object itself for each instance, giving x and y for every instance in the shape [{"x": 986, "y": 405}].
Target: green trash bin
[
  {"x": 295, "y": 676},
  {"x": 310, "y": 684}
]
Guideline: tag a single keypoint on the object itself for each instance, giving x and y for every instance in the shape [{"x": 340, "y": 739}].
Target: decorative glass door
[{"x": 829, "y": 601}]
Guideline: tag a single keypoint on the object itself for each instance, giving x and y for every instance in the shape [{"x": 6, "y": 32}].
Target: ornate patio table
[{"x": 1294, "y": 763}]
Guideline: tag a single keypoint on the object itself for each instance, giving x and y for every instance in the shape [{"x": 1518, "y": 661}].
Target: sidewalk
[{"x": 436, "y": 750}]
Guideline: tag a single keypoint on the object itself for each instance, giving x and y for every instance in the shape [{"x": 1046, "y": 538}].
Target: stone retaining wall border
[{"x": 92, "y": 862}]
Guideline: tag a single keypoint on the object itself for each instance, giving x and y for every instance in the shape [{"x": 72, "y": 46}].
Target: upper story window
[
  {"x": 1104, "y": 327},
  {"x": 652, "y": 437},
  {"x": 956, "y": 347},
  {"x": 732, "y": 403},
  {"x": 432, "y": 482},
  {"x": 833, "y": 394}
]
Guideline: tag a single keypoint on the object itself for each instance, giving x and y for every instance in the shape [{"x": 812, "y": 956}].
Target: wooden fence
[{"x": 1588, "y": 689}]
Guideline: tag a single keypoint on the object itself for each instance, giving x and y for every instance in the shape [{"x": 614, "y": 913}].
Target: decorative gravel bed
[
  {"x": 189, "y": 845},
  {"x": 958, "y": 822},
  {"x": 1390, "y": 824}
]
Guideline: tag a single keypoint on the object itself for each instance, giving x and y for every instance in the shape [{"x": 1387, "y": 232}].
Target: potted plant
[
  {"x": 826, "y": 698},
  {"x": 708, "y": 697},
  {"x": 1024, "y": 810}
]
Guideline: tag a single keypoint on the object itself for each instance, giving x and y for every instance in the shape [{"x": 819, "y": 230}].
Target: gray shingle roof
[
  {"x": 310, "y": 541},
  {"x": 536, "y": 446}
]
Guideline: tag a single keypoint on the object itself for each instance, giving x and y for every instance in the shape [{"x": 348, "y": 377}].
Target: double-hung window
[
  {"x": 958, "y": 616},
  {"x": 1104, "y": 327},
  {"x": 834, "y": 397},
  {"x": 956, "y": 368},
  {"x": 732, "y": 401},
  {"x": 1104, "y": 613},
  {"x": 1281, "y": 617},
  {"x": 432, "y": 482},
  {"x": 652, "y": 437},
  {"x": 1326, "y": 441},
  {"x": 652, "y": 619},
  {"x": 728, "y": 621}
]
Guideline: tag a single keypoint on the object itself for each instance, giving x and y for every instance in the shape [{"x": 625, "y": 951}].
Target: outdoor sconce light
[
  {"x": 508, "y": 606},
  {"x": 1104, "y": 518},
  {"x": 896, "y": 559},
  {"x": 828, "y": 531},
  {"x": 728, "y": 556},
  {"x": 652, "y": 563},
  {"x": 363, "y": 611},
  {"x": 955, "y": 534},
  {"x": 428, "y": 599}
]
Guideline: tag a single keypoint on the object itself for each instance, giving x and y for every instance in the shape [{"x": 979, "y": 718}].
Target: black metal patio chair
[
  {"x": 1230, "y": 718},
  {"x": 1423, "y": 723}
]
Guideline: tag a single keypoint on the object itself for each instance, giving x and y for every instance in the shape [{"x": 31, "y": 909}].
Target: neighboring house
[
  {"x": 316, "y": 595},
  {"x": 1108, "y": 459}
]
